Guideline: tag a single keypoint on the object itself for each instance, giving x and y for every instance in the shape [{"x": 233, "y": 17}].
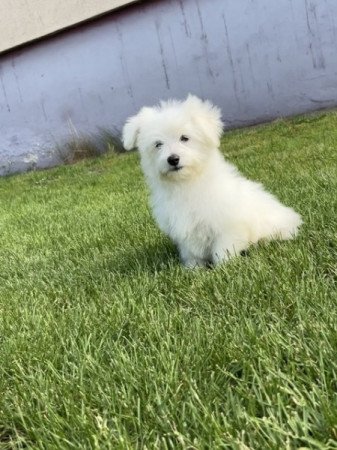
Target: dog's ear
[
  {"x": 207, "y": 118},
  {"x": 132, "y": 127}
]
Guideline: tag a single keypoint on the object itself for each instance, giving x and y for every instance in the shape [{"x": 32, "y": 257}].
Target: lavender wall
[{"x": 257, "y": 59}]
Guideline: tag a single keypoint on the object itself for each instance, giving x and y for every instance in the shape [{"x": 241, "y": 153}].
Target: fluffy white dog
[{"x": 201, "y": 201}]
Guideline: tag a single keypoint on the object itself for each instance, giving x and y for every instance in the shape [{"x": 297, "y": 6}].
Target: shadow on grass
[
  {"x": 151, "y": 259},
  {"x": 10, "y": 439},
  {"x": 145, "y": 259}
]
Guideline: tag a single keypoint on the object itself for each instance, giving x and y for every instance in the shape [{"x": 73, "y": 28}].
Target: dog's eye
[
  {"x": 158, "y": 144},
  {"x": 184, "y": 138}
]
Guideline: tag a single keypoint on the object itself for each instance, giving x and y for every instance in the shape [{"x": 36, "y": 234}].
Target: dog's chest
[{"x": 185, "y": 217}]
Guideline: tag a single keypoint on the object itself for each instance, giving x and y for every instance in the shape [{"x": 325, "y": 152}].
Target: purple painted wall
[{"x": 256, "y": 59}]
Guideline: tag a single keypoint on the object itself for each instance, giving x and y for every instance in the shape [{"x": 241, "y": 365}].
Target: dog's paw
[{"x": 194, "y": 263}]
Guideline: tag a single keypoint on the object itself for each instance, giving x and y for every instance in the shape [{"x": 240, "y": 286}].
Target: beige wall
[{"x": 24, "y": 20}]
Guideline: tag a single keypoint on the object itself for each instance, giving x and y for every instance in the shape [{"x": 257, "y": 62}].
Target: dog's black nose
[{"x": 173, "y": 160}]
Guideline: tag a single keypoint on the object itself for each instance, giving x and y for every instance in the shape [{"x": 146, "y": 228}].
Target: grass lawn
[{"x": 106, "y": 342}]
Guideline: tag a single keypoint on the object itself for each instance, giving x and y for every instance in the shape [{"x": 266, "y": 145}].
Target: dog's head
[{"x": 175, "y": 139}]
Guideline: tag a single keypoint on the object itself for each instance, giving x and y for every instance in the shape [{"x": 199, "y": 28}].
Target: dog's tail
[{"x": 284, "y": 224}]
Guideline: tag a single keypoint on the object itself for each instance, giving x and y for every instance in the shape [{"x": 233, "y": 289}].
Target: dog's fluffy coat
[{"x": 200, "y": 200}]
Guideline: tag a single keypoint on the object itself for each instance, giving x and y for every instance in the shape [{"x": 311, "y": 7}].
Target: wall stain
[
  {"x": 81, "y": 97},
  {"x": 16, "y": 80},
  {"x": 5, "y": 93},
  {"x": 203, "y": 32},
  {"x": 333, "y": 25},
  {"x": 204, "y": 40},
  {"x": 173, "y": 48},
  {"x": 124, "y": 66},
  {"x": 270, "y": 89},
  {"x": 182, "y": 9},
  {"x": 251, "y": 70},
  {"x": 43, "y": 110},
  {"x": 331, "y": 100},
  {"x": 269, "y": 78},
  {"x": 161, "y": 49},
  {"x": 315, "y": 46},
  {"x": 243, "y": 90},
  {"x": 294, "y": 19},
  {"x": 231, "y": 62},
  {"x": 83, "y": 104}
]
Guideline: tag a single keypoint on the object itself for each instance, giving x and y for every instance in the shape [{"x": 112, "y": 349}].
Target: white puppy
[{"x": 201, "y": 201}]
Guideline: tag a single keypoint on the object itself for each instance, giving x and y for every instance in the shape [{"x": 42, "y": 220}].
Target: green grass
[{"x": 107, "y": 342}]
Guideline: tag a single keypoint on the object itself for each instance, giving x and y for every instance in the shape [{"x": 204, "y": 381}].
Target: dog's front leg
[
  {"x": 225, "y": 248},
  {"x": 189, "y": 259}
]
